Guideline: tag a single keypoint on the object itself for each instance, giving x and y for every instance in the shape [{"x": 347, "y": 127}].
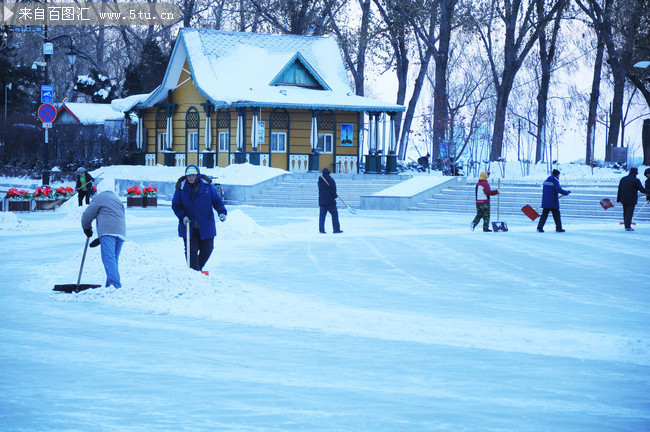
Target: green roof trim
[{"x": 298, "y": 58}]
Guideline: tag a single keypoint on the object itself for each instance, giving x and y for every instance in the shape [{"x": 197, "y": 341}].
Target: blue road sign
[
  {"x": 47, "y": 94},
  {"x": 47, "y": 113}
]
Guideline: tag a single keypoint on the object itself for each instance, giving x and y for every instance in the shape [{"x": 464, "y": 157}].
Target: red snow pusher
[
  {"x": 606, "y": 203},
  {"x": 530, "y": 212}
]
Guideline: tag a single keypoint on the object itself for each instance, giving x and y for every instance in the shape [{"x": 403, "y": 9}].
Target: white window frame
[
  {"x": 326, "y": 140},
  {"x": 192, "y": 141},
  {"x": 274, "y": 142},
  {"x": 224, "y": 141},
  {"x": 162, "y": 141}
]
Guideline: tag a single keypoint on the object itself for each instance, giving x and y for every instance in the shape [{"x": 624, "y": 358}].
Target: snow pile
[
  {"x": 10, "y": 222},
  {"x": 239, "y": 225}
]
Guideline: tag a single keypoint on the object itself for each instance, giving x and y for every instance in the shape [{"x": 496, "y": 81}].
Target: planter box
[
  {"x": 134, "y": 201},
  {"x": 45, "y": 204},
  {"x": 150, "y": 201},
  {"x": 19, "y": 205}
]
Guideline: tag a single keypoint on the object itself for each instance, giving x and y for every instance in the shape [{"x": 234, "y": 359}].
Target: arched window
[
  {"x": 192, "y": 129},
  {"x": 326, "y": 132},
  {"x": 223, "y": 130},
  {"x": 278, "y": 129},
  {"x": 161, "y": 129}
]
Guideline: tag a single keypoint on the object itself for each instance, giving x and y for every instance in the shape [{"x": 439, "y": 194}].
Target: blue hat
[
  {"x": 81, "y": 169},
  {"x": 192, "y": 170}
]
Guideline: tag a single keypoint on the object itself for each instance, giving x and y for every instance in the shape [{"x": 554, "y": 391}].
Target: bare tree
[
  {"x": 400, "y": 39},
  {"x": 547, "y": 49},
  {"x": 300, "y": 17},
  {"x": 514, "y": 22},
  {"x": 354, "y": 43},
  {"x": 618, "y": 24},
  {"x": 433, "y": 23}
]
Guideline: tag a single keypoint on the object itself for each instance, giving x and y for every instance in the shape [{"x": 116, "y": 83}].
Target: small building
[
  {"x": 87, "y": 130},
  {"x": 274, "y": 100}
]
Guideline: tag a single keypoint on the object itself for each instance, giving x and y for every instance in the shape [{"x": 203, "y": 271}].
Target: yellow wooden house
[{"x": 275, "y": 100}]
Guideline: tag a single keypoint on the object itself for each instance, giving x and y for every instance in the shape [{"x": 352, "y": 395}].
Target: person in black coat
[
  {"x": 627, "y": 195},
  {"x": 327, "y": 201},
  {"x": 647, "y": 183},
  {"x": 84, "y": 185}
]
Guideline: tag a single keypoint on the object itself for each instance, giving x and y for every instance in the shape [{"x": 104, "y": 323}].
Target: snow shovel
[
  {"x": 75, "y": 288},
  {"x": 187, "y": 243},
  {"x": 348, "y": 207},
  {"x": 499, "y": 225},
  {"x": 606, "y": 203},
  {"x": 530, "y": 212}
]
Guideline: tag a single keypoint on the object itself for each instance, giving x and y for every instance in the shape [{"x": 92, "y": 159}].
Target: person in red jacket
[{"x": 483, "y": 193}]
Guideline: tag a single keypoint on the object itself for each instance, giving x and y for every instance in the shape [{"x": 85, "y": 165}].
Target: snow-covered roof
[
  {"x": 238, "y": 69},
  {"x": 127, "y": 103},
  {"x": 90, "y": 113}
]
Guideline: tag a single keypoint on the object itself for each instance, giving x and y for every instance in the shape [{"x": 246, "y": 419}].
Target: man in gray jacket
[{"x": 108, "y": 209}]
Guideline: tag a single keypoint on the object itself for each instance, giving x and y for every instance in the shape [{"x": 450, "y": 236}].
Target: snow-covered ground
[{"x": 407, "y": 321}]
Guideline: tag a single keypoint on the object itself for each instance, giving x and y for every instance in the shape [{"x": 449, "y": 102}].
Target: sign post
[{"x": 47, "y": 114}]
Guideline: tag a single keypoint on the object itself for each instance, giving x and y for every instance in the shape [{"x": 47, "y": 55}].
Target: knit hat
[
  {"x": 483, "y": 176},
  {"x": 81, "y": 169},
  {"x": 192, "y": 170},
  {"x": 325, "y": 171},
  {"x": 555, "y": 172},
  {"x": 634, "y": 171}
]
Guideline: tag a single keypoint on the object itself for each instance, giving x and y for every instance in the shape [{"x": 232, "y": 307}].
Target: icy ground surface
[{"x": 408, "y": 321}]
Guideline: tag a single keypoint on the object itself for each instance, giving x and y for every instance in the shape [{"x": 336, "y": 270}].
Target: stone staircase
[
  {"x": 301, "y": 190},
  {"x": 583, "y": 202}
]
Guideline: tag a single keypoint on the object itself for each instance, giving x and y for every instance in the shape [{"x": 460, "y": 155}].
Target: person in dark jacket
[
  {"x": 327, "y": 202},
  {"x": 627, "y": 195},
  {"x": 550, "y": 201},
  {"x": 84, "y": 185},
  {"x": 647, "y": 183},
  {"x": 193, "y": 201},
  {"x": 482, "y": 192}
]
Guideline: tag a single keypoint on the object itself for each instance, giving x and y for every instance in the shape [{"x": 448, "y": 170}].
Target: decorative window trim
[
  {"x": 326, "y": 140},
  {"x": 162, "y": 141},
  {"x": 275, "y": 135},
  {"x": 224, "y": 144},
  {"x": 192, "y": 140}
]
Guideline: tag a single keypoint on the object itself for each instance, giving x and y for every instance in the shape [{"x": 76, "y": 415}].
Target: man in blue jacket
[
  {"x": 550, "y": 201},
  {"x": 627, "y": 195},
  {"x": 193, "y": 201}
]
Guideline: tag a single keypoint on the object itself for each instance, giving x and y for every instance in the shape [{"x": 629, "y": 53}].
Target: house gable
[{"x": 298, "y": 72}]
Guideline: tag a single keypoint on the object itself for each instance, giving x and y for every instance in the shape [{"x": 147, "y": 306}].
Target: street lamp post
[
  {"x": 48, "y": 51},
  {"x": 7, "y": 87}
]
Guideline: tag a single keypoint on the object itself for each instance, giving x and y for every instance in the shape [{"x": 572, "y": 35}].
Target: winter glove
[
  {"x": 186, "y": 220},
  {"x": 95, "y": 243},
  {"x": 88, "y": 232},
  {"x": 222, "y": 217}
]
